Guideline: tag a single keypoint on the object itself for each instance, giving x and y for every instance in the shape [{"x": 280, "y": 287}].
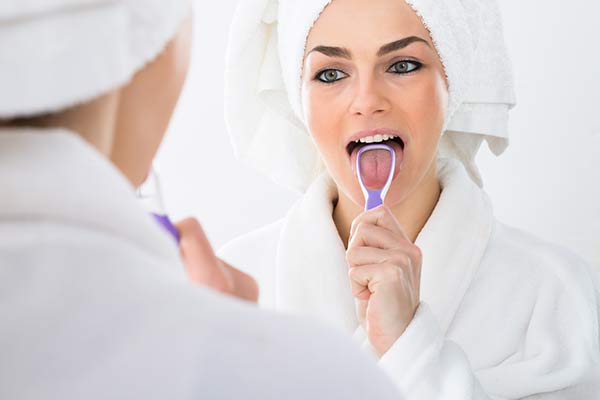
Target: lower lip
[{"x": 399, "y": 157}]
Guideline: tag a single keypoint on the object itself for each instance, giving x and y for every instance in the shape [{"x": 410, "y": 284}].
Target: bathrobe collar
[
  {"x": 54, "y": 175},
  {"x": 312, "y": 274}
]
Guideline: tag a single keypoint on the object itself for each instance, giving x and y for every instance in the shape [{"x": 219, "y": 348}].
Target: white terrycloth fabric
[
  {"x": 59, "y": 53},
  {"x": 263, "y": 102},
  {"x": 95, "y": 303},
  {"x": 504, "y": 315}
]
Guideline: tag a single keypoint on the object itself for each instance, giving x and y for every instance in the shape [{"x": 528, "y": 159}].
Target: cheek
[
  {"x": 324, "y": 117},
  {"x": 425, "y": 109},
  {"x": 438, "y": 95}
]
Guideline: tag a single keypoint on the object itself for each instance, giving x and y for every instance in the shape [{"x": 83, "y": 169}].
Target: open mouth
[
  {"x": 385, "y": 139},
  {"x": 375, "y": 169}
]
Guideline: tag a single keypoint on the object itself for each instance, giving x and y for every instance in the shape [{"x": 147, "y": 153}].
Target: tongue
[{"x": 375, "y": 168}]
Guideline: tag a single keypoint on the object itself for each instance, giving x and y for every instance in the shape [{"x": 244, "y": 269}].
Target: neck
[
  {"x": 412, "y": 213},
  {"x": 94, "y": 121}
]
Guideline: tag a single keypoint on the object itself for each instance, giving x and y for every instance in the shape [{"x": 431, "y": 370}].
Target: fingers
[
  {"x": 244, "y": 286},
  {"x": 194, "y": 241},
  {"x": 368, "y": 235},
  {"x": 368, "y": 264},
  {"x": 370, "y": 267},
  {"x": 373, "y": 236},
  {"x": 380, "y": 216},
  {"x": 369, "y": 275},
  {"x": 373, "y": 244},
  {"x": 205, "y": 268},
  {"x": 363, "y": 255},
  {"x": 388, "y": 278},
  {"x": 199, "y": 258},
  {"x": 366, "y": 279},
  {"x": 385, "y": 275}
]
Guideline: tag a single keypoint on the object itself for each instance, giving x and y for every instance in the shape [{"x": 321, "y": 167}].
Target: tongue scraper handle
[
  {"x": 374, "y": 198},
  {"x": 150, "y": 196},
  {"x": 164, "y": 221}
]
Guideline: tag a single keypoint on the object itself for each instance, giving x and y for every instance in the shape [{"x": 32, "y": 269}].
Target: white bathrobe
[
  {"x": 503, "y": 315},
  {"x": 95, "y": 303}
]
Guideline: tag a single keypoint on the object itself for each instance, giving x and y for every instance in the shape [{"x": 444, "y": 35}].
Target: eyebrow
[
  {"x": 342, "y": 52},
  {"x": 333, "y": 51},
  {"x": 400, "y": 44}
]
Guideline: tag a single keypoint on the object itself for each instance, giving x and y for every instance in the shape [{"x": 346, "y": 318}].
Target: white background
[{"x": 546, "y": 183}]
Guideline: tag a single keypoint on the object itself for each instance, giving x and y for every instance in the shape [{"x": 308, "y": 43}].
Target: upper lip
[{"x": 372, "y": 132}]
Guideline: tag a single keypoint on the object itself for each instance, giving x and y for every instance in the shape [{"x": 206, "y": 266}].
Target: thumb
[
  {"x": 199, "y": 257},
  {"x": 244, "y": 285}
]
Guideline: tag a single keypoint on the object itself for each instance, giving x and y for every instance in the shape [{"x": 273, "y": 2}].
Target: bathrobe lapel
[
  {"x": 311, "y": 270},
  {"x": 453, "y": 241}
]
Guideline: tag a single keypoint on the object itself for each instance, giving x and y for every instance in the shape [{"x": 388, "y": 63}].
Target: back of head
[
  {"x": 60, "y": 53},
  {"x": 92, "y": 66}
]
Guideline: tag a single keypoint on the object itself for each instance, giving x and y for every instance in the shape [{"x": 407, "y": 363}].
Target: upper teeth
[{"x": 374, "y": 139}]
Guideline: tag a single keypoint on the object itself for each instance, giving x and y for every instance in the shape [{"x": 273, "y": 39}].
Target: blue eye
[
  {"x": 331, "y": 75},
  {"x": 404, "y": 67}
]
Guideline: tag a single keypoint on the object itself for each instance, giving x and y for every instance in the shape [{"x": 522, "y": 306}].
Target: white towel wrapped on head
[
  {"x": 263, "y": 105},
  {"x": 59, "y": 53}
]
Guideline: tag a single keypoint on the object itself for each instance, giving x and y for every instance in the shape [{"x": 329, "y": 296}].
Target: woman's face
[{"x": 371, "y": 69}]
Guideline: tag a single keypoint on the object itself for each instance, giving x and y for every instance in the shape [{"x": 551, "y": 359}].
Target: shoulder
[
  {"x": 223, "y": 348},
  {"x": 252, "y": 251},
  {"x": 534, "y": 253},
  {"x": 289, "y": 357},
  {"x": 541, "y": 266}
]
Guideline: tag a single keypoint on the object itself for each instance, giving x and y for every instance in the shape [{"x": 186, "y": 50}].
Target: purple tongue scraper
[
  {"x": 150, "y": 196},
  {"x": 164, "y": 221},
  {"x": 375, "y": 197}
]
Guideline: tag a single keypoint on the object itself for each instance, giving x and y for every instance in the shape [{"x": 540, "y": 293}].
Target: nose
[{"x": 369, "y": 99}]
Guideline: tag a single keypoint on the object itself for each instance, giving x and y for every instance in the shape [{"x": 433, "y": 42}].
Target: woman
[
  {"x": 454, "y": 303},
  {"x": 94, "y": 299}
]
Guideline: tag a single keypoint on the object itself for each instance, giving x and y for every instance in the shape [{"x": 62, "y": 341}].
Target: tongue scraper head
[{"x": 375, "y": 197}]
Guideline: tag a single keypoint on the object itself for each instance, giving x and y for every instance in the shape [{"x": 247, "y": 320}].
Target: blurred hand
[
  {"x": 385, "y": 274},
  {"x": 206, "y": 269}
]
